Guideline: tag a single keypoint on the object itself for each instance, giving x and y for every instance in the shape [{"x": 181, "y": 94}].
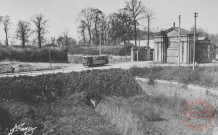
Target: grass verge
[{"x": 204, "y": 76}]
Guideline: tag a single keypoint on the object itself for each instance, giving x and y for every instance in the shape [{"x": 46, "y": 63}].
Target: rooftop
[{"x": 173, "y": 32}]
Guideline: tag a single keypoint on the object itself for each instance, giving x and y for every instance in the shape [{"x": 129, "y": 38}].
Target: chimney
[{"x": 174, "y": 25}]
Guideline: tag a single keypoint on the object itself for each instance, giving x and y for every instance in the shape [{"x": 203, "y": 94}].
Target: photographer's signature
[{"x": 25, "y": 130}]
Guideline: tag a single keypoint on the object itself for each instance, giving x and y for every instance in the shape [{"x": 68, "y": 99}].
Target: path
[{"x": 79, "y": 67}]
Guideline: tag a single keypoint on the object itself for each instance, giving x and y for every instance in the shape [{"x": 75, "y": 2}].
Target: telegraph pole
[
  {"x": 49, "y": 53},
  {"x": 100, "y": 38},
  {"x": 179, "y": 42},
  {"x": 194, "y": 45}
]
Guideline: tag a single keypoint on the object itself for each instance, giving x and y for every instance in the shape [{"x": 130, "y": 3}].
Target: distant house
[
  {"x": 142, "y": 47},
  {"x": 205, "y": 50},
  {"x": 166, "y": 47}
]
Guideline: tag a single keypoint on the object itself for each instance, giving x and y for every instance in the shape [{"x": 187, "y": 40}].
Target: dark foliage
[
  {"x": 39, "y": 101},
  {"x": 115, "y": 50},
  {"x": 32, "y": 54},
  {"x": 6, "y": 121},
  {"x": 47, "y": 88}
]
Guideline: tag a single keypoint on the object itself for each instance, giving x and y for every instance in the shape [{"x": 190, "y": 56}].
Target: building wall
[
  {"x": 169, "y": 50},
  {"x": 172, "y": 52},
  {"x": 204, "y": 51},
  {"x": 159, "y": 50}
]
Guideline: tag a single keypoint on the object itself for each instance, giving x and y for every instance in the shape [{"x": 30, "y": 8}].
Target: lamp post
[
  {"x": 49, "y": 53},
  {"x": 194, "y": 45},
  {"x": 179, "y": 42},
  {"x": 100, "y": 38}
]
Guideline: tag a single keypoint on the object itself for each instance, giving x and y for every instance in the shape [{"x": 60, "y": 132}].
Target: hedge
[{"x": 32, "y": 54}]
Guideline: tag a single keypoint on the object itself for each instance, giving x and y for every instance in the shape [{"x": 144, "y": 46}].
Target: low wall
[
  {"x": 190, "y": 86},
  {"x": 112, "y": 58}
]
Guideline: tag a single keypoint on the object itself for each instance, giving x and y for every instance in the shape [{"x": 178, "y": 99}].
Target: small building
[
  {"x": 142, "y": 48},
  {"x": 206, "y": 50},
  {"x": 166, "y": 48}
]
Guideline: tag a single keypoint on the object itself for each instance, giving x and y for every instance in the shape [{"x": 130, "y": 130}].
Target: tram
[{"x": 94, "y": 60}]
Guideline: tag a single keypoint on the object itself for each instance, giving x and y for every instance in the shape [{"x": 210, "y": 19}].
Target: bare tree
[
  {"x": 125, "y": 23},
  {"x": 60, "y": 41},
  {"x": 65, "y": 37},
  {"x": 86, "y": 18},
  {"x": 82, "y": 31},
  {"x": 23, "y": 31},
  {"x": 113, "y": 27},
  {"x": 97, "y": 21},
  {"x": 149, "y": 16},
  {"x": 40, "y": 22},
  {"x": 6, "y": 21},
  {"x": 104, "y": 30},
  {"x": 136, "y": 9}
]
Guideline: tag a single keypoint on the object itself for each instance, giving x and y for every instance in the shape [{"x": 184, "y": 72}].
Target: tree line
[
  {"x": 24, "y": 31},
  {"x": 202, "y": 33},
  {"x": 132, "y": 22},
  {"x": 119, "y": 26}
]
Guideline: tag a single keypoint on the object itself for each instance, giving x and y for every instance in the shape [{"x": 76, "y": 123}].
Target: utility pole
[
  {"x": 100, "y": 38},
  {"x": 49, "y": 53},
  {"x": 179, "y": 42},
  {"x": 194, "y": 45}
]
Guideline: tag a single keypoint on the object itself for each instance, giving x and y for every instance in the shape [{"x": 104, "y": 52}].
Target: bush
[
  {"x": 32, "y": 54},
  {"x": 48, "y": 88},
  {"x": 118, "y": 115},
  {"x": 53, "y": 102},
  {"x": 6, "y": 121},
  {"x": 94, "y": 50}
]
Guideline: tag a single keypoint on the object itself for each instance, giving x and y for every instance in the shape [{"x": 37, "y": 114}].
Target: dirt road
[{"x": 80, "y": 67}]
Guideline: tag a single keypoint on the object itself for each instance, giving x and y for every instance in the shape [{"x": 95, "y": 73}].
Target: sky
[{"x": 63, "y": 14}]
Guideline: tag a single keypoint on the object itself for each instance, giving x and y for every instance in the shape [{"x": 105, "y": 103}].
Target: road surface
[{"x": 80, "y": 67}]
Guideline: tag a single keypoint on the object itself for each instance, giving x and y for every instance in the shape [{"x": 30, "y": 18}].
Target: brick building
[{"x": 166, "y": 47}]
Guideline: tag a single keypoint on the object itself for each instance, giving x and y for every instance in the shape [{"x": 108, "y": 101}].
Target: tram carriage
[{"x": 93, "y": 60}]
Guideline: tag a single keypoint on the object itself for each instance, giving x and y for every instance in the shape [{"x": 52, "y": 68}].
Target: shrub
[
  {"x": 120, "y": 115},
  {"x": 174, "y": 103},
  {"x": 53, "y": 102},
  {"x": 125, "y": 50},
  {"x": 32, "y": 54},
  {"x": 48, "y": 88},
  {"x": 94, "y": 50},
  {"x": 6, "y": 121}
]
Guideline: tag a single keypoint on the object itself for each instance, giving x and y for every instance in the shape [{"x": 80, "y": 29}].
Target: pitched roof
[
  {"x": 202, "y": 38},
  {"x": 173, "y": 32}
]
